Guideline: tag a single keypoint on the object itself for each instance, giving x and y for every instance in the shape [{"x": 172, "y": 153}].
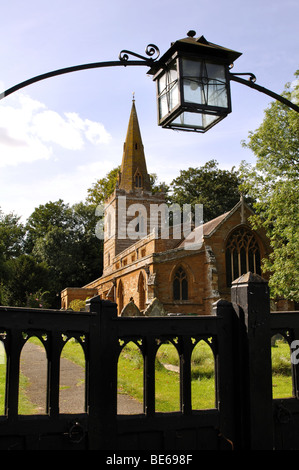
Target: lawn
[
  {"x": 130, "y": 375},
  {"x": 25, "y": 406},
  {"x": 167, "y": 382},
  {"x": 72, "y": 351},
  {"x": 281, "y": 370}
]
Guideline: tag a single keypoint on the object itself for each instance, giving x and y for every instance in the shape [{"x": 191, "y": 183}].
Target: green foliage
[
  {"x": 25, "y": 406},
  {"x": 159, "y": 187},
  {"x": 11, "y": 235},
  {"x": 76, "y": 305},
  {"x": 130, "y": 371},
  {"x": 2, "y": 387},
  {"x": 202, "y": 361},
  {"x": 73, "y": 351},
  {"x": 281, "y": 369},
  {"x": 281, "y": 358},
  {"x": 273, "y": 183},
  {"x": 57, "y": 248},
  {"x": 25, "y": 275},
  {"x": 38, "y": 299},
  {"x": 216, "y": 189},
  {"x": 44, "y": 219},
  {"x": 167, "y": 382},
  {"x": 11, "y": 245},
  {"x": 103, "y": 187},
  {"x": 130, "y": 375}
]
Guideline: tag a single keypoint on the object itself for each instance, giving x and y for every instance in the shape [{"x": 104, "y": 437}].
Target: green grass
[
  {"x": 167, "y": 382},
  {"x": 130, "y": 376},
  {"x": 25, "y": 406},
  {"x": 74, "y": 352},
  {"x": 2, "y": 387},
  {"x": 281, "y": 369}
]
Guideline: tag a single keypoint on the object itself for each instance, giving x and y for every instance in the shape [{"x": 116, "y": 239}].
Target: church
[{"x": 151, "y": 271}]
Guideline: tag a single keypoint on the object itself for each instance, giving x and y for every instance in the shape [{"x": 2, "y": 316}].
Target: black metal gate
[
  {"x": 244, "y": 416},
  {"x": 100, "y": 333},
  {"x": 52, "y": 430},
  {"x": 187, "y": 429}
]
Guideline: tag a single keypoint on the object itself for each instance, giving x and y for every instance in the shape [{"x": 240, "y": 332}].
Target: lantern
[{"x": 193, "y": 86}]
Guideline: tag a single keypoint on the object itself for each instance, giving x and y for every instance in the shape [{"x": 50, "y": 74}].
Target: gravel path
[{"x": 71, "y": 399}]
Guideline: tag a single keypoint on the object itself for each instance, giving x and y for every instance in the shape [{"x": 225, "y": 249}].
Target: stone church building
[{"x": 148, "y": 273}]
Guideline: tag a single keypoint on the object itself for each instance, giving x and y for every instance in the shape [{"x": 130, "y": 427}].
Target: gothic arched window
[
  {"x": 242, "y": 254},
  {"x": 180, "y": 285}
]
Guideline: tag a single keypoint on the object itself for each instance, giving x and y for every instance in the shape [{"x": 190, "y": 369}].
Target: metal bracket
[
  {"x": 123, "y": 61},
  {"x": 251, "y": 83}
]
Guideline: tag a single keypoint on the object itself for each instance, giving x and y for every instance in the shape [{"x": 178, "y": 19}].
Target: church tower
[{"x": 127, "y": 211}]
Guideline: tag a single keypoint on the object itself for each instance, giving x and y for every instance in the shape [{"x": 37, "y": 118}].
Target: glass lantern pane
[
  {"x": 217, "y": 95},
  {"x": 173, "y": 96},
  {"x": 162, "y": 83},
  {"x": 216, "y": 71},
  {"x": 168, "y": 90},
  {"x": 168, "y": 101},
  {"x": 204, "y": 83},
  {"x": 194, "y": 120},
  {"x": 163, "y": 106},
  {"x": 192, "y": 71},
  {"x": 208, "y": 119},
  {"x": 217, "y": 92}
]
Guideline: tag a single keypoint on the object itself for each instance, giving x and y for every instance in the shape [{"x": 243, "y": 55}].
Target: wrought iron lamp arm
[
  {"x": 251, "y": 83},
  {"x": 123, "y": 61}
]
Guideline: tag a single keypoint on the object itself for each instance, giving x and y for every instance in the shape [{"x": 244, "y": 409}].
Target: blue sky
[{"x": 57, "y": 137}]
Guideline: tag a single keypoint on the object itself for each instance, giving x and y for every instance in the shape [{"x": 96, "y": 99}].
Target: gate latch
[{"x": 76, "y": 432}]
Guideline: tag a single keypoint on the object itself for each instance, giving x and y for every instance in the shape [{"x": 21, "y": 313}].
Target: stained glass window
[{"x": 242, "y": 254}]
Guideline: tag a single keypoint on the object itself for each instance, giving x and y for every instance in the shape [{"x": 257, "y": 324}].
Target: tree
[
  {"x": 11, "y": 247},
  {"x": 104, "y": 187},
  {"x": 24, "y": 276},
  {"x": 159, "y": 187},
  {"x": 91, "y": 248},
  {"x": 216, "y": 189},
  {"x": 63, "y": 238},
  {"x": 58, "y": 249},
  {"x": 12, "y": 234},
  {"x": 44, "y": 218},
  {"x": 273, "y": 182}
]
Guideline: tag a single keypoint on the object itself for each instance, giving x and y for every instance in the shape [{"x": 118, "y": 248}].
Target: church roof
[
  {"x": 212, "y": 225},
  {"x": 134, "y": 173}
]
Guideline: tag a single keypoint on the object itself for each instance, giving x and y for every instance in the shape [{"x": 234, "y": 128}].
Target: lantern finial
[{"x": 191, "y": 33}]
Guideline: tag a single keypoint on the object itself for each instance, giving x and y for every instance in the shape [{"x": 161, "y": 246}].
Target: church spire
[{"x": 134, "y": 173}]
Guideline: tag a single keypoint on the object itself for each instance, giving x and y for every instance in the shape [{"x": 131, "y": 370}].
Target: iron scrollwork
[{"x": 150, "y": 50}]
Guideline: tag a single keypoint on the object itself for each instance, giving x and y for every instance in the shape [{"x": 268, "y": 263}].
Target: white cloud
[
  {"x": 51, "y": 127},
  {"x": 94, "y": 132},
  {"x": 28, "y": 130}
]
